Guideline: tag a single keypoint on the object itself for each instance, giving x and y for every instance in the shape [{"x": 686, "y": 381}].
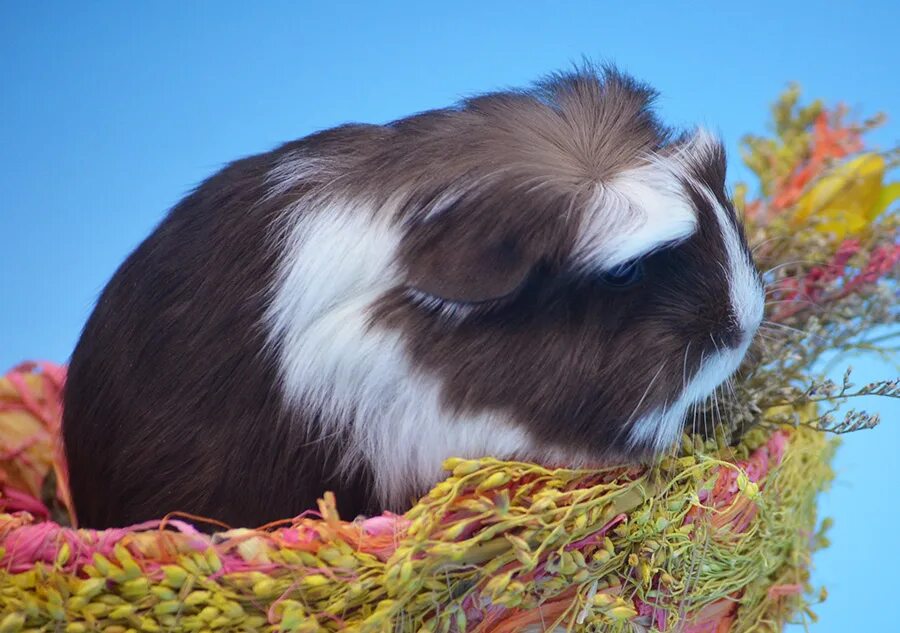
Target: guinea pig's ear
[
  {"x": 705, "y": 152},
  {"x": 464, "y": 265}
]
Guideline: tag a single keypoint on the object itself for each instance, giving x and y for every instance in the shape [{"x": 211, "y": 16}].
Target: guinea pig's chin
[{"x": 656, "y": 432}]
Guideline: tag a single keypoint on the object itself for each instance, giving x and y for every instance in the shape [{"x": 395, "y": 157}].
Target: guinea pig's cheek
[
  {"x": 713, "y": 372},
  {"x": 656, "y": 431}
]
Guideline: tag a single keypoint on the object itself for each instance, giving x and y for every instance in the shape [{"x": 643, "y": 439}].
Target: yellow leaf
[
  {"x": 889, "y": 194},
  {"x": 845, "y": 199}
]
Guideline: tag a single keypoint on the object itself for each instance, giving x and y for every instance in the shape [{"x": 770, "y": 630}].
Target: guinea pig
[{"x": 547, "y": 274}]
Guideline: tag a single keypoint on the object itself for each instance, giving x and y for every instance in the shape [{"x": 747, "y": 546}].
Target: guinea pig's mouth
[{"x": 656, "y": 432}]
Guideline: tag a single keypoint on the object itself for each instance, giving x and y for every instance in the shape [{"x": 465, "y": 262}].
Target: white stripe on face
[
  {"x": 745, "y": 288},
  {"x": 638, "y": 212}
]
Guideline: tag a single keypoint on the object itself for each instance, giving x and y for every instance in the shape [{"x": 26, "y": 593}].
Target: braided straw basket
[{"x": 716, "y": 539}]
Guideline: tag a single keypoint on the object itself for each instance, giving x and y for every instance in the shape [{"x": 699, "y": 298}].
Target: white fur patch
[
  {"x": 638, "y": 212},
  {"x": 746, "y": 290},
  {"x": 338, "y": 262},
  {"x": 745, "y": 287},
  {"x": 660, "y": 429}
]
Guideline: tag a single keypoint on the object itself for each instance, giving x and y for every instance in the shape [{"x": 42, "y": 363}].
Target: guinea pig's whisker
[
  {"x": 809, "y": 262},
  {"x": 776, "y": 285},
  {"x": 770, "y": 324},
  {"x": 628, "y": 421},
  {"x": 795, "y": 275},
  {"x": 753, "y": 249},
  {"x": 775, "y": 289},
  {"x": 676, "y": 445},
  {"x": 770, "y": 336},
  {"x": 718, "y": 413},
  {"x": 777, "y": 282},
  {"x": 719, "y": 396},
  {"x": 715, "y": 414},
  {"x": 721, "y": 406},
  {"x": 797, "y": 300},
  {"x": 693, "y": 421},
  {"x": 699, "y": 417},
  {"x": 716, "y": 391},
  {"x": 705, "y": 411},
  {"x": 730, "y": 383},
  {"x": 705, "y": 404},
  {"x": 728, "y": 446},
  {"x": 670, "y": 450}
]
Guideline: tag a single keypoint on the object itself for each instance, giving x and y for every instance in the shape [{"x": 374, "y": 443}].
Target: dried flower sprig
[{"x": 827, "y": 231}]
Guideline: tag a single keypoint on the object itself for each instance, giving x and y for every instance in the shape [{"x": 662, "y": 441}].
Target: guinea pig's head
[
  {"x": 559, "y": 274},
  {"x": 587, "y": 274}
]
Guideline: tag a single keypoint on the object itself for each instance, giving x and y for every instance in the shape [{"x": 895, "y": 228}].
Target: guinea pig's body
[{"x": 543, "y": 275}]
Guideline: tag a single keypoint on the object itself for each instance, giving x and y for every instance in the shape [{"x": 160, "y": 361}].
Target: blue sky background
[{"x": 110, "y": 112}]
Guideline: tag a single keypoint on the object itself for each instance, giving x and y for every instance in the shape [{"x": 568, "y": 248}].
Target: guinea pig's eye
[{"x": 625, "y": 275}]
